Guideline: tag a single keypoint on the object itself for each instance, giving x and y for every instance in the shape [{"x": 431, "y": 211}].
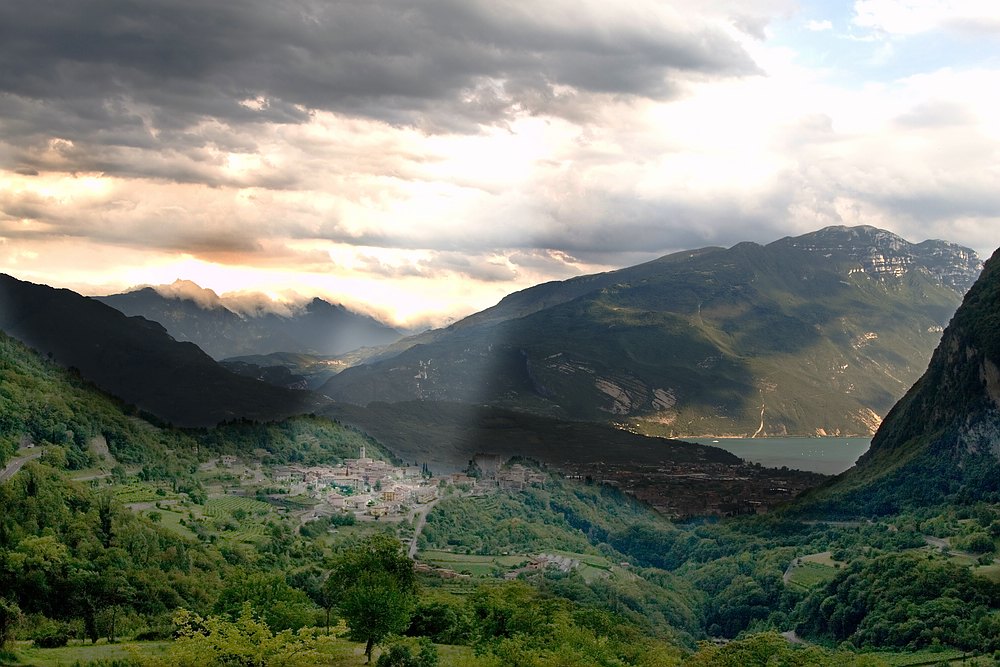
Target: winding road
[{"x": 16, "y": 464}]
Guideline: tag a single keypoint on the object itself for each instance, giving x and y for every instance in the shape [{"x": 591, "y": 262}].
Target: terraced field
[
  {"x": 239, "y": 519},
  {"x": 226, "y": 505},
  {"x": 137, "y": 492},
  {"x": 476, "y": 565}
]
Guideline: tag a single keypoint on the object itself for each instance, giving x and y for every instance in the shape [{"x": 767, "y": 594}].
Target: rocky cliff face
[
  {"x": 960, "y": 392},
  {"x": 941, "y": 442},
  {"x": 881, "y": 253}
]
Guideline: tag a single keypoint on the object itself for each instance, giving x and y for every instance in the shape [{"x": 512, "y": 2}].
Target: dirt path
[
  {"x": 787, "y": 576},
  {"x": 946, "y": 549},
  {"x": 937, "y": 542},
  {"x": 16, "y": 464},
  {"x": 421, "y": 516}
]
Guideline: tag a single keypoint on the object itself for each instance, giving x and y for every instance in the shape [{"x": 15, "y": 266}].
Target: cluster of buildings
[
  {"x": 492, "y": 472},
  {"x": 363, "y": 485},
  {"x": 371, "y": 488},
  {"x": 542, "y": 562}
]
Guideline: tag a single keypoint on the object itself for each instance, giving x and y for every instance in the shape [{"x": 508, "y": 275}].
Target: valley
[{"x": 495, "y": 532}]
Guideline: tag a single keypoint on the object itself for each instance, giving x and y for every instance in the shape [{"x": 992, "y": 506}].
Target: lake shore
[{"x": 826, "y": 455}]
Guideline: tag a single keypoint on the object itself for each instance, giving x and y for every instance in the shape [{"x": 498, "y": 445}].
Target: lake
[{"x": 825, "y": 455}]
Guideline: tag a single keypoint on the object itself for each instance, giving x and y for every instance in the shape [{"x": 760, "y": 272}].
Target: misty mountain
[
  {"x": 942, "y": 440},
  {"x": 816, "y": 334},
  {"x": 191, "y": 313},
  {"x": 136, "y": 360}
]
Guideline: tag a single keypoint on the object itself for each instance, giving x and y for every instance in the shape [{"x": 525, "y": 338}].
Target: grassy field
[
  {"x": 929, "y": 657},
  {"x": 171, "y": 520},
  {"x": 591, "y": 566},
  {"x": 810, "y": 574},
  {"x": 334, "y": 651},
  {"x": 822, "y": 558},
  {"x": 79, "y": 651},
  {"x": 813, "y": 569},
  {"x": 991, "y": 572}
]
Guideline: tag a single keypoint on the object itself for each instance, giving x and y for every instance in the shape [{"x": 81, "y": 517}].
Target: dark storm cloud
[{"x": 141, "y": 73}]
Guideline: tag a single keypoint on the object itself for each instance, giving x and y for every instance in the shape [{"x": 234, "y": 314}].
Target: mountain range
[
  {"x": 818, "y": 334},
  {"x": 136, "y": 360},
  {"x": 192, "y": 313}
]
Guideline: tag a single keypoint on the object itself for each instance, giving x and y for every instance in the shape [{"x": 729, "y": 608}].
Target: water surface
[{"x": 826, "y": 455}]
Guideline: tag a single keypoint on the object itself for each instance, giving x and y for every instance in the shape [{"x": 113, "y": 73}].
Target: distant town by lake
[{"x": 829, "y": 456}]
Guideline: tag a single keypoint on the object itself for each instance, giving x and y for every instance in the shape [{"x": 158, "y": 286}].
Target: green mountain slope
[
  {"x": 942, "y": 440},
  {"x": 80, "y": 426},
  {"x": 41, "y": 403},
  {"x": 818, "y": 334}
]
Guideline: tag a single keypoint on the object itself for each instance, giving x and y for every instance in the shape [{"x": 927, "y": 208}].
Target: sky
[{"x": 419, "y": 160}]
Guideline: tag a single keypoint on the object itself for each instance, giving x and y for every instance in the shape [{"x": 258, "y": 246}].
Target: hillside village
[{"x": 372, "y": 489}]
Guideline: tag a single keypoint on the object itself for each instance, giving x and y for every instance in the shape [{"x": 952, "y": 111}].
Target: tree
[
  {"x": 375, "y": 588},
  {"x": 278, "y": 604},
  {"x": 10, "y": 618},
  {"x": 220, "y": 642},
  {"x": 418, "y": 653}
]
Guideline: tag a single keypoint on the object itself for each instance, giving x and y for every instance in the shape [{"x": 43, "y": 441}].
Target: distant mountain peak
[
  {"x": 251, "y": 324},
  {"x": 883, "y": 254},
  {"x": 188, "y": 290},
  {"x": 318, "y": 304}
]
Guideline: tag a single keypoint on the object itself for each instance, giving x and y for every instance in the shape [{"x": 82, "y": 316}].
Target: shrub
[
  {"x": 409, "y": 653},
  {"x": 51, "y": 635}
]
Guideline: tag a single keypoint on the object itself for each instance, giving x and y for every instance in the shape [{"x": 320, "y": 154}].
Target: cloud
[
  {"x": 819, "y": 26},
  {"x": 912, "y": 17},
  {"x": 140, "y": 73},
  {"x": 432, "y": 157},
  {"x": 187, "y": 290}
]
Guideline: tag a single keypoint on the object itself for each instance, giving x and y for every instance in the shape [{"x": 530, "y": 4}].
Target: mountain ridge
[
  {"x": 199, "y": 315},
  {"x": 701, "y": 341},
  {"x": 136, "y": 360}
]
